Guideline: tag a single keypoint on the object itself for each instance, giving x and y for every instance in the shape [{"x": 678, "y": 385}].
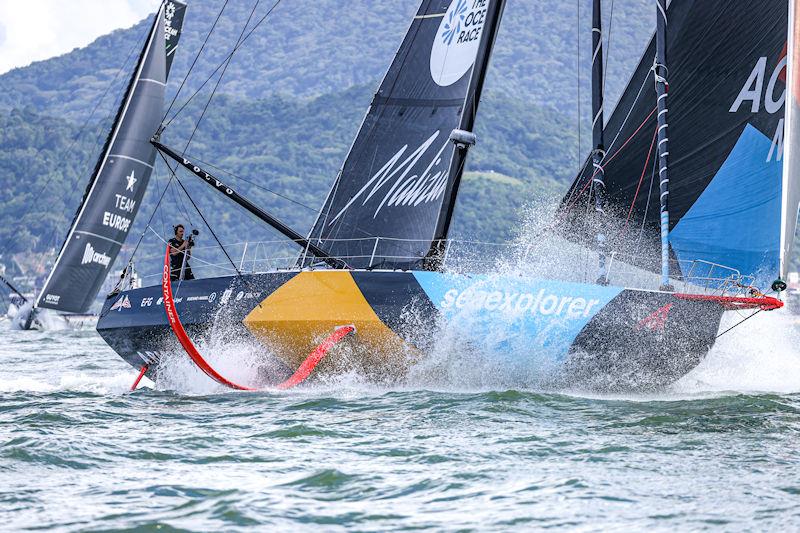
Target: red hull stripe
[
  {"x": 302, "y": 373},
  {"x": 765, "y": 303}
]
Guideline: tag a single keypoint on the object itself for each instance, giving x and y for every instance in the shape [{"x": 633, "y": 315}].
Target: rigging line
[
  {"x": 160, "y": 213},
  {"x": 608, "y": 47},
  {"x": 630, "y": 111},
  {"x": 738, "y": 324},
  {"x": 268, "y": 13},
  {"x": 179, "y": 204},
  {"x": 647, "y": 205},
  {"x": 279, "y": 195},
  {"x": 219, "y": 80},
  {"x": 641, "y": 179},
  {"x": 183, "y": 82},
  {"x": 222, "y": 247},
  {"x": 606, "y": 162}
]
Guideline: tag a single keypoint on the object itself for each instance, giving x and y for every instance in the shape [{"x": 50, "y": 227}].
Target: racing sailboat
[
  {"x": 707, "y": 108},
  {"x": 118, "y": 183}
]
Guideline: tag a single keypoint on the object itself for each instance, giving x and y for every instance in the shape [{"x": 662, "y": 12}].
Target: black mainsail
[
  {"x": 114, "y": 193},
  {"x": 727, "y": 88},
  {"x": 394, "y": 197}
]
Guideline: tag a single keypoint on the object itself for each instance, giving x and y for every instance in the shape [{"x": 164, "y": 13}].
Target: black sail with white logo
[
  {"x": 727, "y": 87},
  {"x": 395, "y": 193},
  {"x": 120, "y": 178}
]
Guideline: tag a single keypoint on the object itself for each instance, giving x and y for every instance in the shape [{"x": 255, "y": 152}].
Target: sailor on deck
[{"x": 180, "y": 252}]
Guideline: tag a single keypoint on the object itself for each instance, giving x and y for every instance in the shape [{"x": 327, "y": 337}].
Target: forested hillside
[
  {"x": 289, "y": 105},
  {"x": 307, "y": 48}
]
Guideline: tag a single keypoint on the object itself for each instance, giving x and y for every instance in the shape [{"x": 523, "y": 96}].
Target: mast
[
  {"x": 13, "y": 288},
  {"x": 790, "y": 188},
  {"x": 662, "y": 88},
  {"x": 598, "y": 141},
  {"x": 465, "y": 142}
]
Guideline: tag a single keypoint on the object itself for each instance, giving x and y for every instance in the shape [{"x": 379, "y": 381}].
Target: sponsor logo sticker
[
  {"x": 518, "y": 303},
  {"x": 90, "y": 255},
  {"x": 457, "y": 41},
  {"x": 123, "y": 303}
]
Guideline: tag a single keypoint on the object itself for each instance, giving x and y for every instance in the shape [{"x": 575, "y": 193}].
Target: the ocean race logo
[
  {"x": 169, "y": 31},
  {"x": 398, "y": 186},
  {"x": 456, "y": 44},
  {"x": 90, "y": 255},
  {"x": 759, "y": 93}
]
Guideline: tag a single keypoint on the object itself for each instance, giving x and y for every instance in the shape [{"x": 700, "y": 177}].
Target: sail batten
[{"x": 118, "y": 183}]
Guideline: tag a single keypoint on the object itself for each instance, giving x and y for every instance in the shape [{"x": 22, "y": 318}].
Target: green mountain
[{"x": 307, "y": 49}]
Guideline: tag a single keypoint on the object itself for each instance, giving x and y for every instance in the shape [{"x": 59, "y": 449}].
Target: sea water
[{"x": 454, "y": 451}]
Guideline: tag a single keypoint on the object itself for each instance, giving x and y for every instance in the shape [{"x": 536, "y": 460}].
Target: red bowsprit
[
  {"x": 736, "y": 303},
  {"x": 302, "y": 373}
]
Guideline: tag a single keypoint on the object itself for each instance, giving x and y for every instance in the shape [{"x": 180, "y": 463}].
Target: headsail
[
  {"x": 727, "y": 81},
  {"x": 395, "y": 194},
  {"x": 120, "y": 178}
]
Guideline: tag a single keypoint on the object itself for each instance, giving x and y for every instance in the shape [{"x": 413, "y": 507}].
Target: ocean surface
[{"x": 78, "y": 452}]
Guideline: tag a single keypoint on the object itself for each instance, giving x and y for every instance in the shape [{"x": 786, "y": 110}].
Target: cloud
[{"x": 40, "y": 29}]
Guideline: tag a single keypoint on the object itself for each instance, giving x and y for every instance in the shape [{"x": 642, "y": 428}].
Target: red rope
[
  {"x": 641, "y": 179},
  {"x": 298, "y": 377},
  {"x": 610, "y": 159}
]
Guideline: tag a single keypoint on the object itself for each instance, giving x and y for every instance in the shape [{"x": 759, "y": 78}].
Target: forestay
[{"x": 114, "y": 193}]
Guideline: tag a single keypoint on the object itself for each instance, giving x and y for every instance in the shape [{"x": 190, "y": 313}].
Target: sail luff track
[{"x": 598, "y": 140}]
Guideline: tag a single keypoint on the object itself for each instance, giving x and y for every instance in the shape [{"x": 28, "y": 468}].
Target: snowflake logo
[{"x": 453, "y": 25}]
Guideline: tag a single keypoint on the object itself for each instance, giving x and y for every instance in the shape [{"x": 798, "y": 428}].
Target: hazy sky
[{"x": 32, "y": 30}]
